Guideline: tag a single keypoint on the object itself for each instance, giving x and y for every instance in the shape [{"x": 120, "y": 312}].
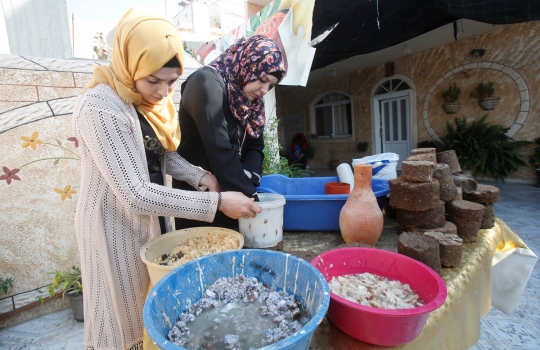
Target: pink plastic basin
[{"x": 381, "y": 326}]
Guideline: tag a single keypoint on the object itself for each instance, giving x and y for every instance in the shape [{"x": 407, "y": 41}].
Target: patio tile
[
  {"x": 527, "y": 338},
  {"x": 489, "y": 340},
  {"x": 505, "y": 329}
]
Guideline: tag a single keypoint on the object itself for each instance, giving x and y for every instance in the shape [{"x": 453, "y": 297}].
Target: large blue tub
[
  {"x": 307, "y": 208},
  {"x": 185, "y": 285}
]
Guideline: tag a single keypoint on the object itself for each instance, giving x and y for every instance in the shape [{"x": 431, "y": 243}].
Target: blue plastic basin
[
  {"x": 307, "y": 208},
  {"x": 185, "y": 285}
]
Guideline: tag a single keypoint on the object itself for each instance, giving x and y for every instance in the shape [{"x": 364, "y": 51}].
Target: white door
[{"x": 395, "y": 127}]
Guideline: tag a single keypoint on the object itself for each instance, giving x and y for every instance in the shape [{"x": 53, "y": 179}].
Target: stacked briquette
[
  {"x": 426, "y": 235},
  {"x": 465, "y": 209}
]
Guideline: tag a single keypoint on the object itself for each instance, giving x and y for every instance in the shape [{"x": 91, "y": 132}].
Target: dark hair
[
  {"x": 173, "y": 63},
  {"x": 278, "y": 74}
]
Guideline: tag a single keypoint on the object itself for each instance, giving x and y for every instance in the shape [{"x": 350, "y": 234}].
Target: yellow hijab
[{"x": 142, "y": 45}]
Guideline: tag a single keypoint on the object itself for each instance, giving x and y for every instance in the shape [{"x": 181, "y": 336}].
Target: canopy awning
[{"x": 370, "y": 25}]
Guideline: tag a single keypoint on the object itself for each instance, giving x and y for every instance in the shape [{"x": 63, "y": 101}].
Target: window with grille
[{"x": 333, "y": 116}]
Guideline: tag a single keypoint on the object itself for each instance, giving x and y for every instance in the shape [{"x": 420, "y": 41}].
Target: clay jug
[{"x": 361, "y": 219}]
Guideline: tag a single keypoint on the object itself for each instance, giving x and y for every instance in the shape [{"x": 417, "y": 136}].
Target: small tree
[
  {"x": 101, "y": 49},
  {"x": 451, "y": 94},
  {"x": 483, "y": 91}
]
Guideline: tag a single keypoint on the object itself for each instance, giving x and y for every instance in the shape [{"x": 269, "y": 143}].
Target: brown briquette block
[
  {"x": 426, "y": 150},
  {"x": 426, "y": 157},
  {"x": 450, "y": 248},
  {"x": 467, "y": 216},
  {"x": 449, "y": 157},
  {"x": 427, "y": 219},
  {"x": 417, "y": 171},
  {"x": 448, "y": 229},
  {"x": 459, "y": 194},
  {"x": 389, "y": 211},
  {"x": 420, "y": 247},
  {"x": 446, "y": 180},
  {"x": 484, "y": 194},
  {"x": 466, "y": 182},
  {"x": 488, "y": 220},
  {"x": 414, "y": 196}
]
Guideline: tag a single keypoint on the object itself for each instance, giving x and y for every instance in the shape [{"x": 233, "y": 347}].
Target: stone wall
[
  {"x": 40, "y": 175},
  {"x": 510, "y": 61},
  {"x": 40, "y": 167}
]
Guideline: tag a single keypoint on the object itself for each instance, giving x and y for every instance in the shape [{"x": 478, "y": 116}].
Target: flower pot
[
  {"x": 451, "y": 107},
  {"x": 337, "y": 188},
  {"x": 489, "y": 103},
  {"x": 77, "y": 305}
]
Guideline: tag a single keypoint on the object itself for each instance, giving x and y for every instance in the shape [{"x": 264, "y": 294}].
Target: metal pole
[{"x": 73, "y": 34}]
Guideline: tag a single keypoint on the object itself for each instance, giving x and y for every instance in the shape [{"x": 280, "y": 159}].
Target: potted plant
[
  {"x": 6, "y": 284},
  {"x": 362, "y": 146},
  {"x": 535, "y": 160},
  {"x": 70, "y": 283},
  {"x": 484, "y": 148},
  {"x": 484, "y": 94},
  {"x": 310, "y": 153},
  {"x": 450, "y": 96}
]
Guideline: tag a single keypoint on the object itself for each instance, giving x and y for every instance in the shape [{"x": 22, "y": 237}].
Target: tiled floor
[
  {"x": 56, "y": 331},
  {"x": 519, "y": 208}
]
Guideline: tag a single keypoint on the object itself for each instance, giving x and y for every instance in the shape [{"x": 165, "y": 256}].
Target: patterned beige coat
[{"x": 117, "y": 213}]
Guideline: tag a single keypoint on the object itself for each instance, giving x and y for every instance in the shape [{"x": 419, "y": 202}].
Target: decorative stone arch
[
  {"x": 375, "y": 114},
  {"x": 312, "y": 112},
  {"x": 518, "y": 79}
]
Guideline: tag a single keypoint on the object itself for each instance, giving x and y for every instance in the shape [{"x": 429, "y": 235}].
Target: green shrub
[
  {"x": 69, "y": 282},
  {"x": 451, "y": 94},
  {"x": 439, "y": 147},
  {"x": 484, "y": 148},
  {"x": 5, "y": 284},
  {"x": 535, "y": 158},
  {"x": 362, "y": 146},
  {"x": 483, "y": 91},
  {"x": 280, "y": 164}
]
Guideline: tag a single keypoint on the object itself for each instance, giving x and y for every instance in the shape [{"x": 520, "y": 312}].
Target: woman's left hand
[{"x": 210, "y": 182}]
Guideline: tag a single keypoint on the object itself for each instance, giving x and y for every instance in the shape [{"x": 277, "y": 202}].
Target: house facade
[{"x": 395, "y": 105}]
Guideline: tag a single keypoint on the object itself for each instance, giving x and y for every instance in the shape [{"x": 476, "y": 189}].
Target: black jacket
[{"x": 214, "y": 140}]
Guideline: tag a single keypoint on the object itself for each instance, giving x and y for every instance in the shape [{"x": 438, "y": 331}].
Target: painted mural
[{"x": 39, "y": 176}]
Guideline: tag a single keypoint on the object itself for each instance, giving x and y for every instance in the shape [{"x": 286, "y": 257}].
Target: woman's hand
[
  {"x": 235, "y": 205},
  {"x": 210, "y": 182}
]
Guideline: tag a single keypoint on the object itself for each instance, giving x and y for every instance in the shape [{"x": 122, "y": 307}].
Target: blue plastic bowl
[
  {"x": 185, "y": 285},
  {"x": 307, "y": 207}
]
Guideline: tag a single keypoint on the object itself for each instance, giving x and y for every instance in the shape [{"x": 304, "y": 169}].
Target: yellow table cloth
[{"x": 456, "y": 324}]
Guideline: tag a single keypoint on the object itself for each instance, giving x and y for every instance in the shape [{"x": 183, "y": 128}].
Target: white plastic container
[
  {"x": 266, "y": 229},
  {"x": 345, "y": 174}
]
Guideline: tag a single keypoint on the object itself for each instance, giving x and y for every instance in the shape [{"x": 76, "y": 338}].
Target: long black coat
[{"x": 214, "y": 140}]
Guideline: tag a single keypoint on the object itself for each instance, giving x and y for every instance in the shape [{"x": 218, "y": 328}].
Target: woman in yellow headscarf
[{"x": 128, "y": 134}]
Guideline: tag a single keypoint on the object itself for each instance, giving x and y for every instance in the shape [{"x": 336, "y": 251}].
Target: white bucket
[{"x": 266, "y": 229}]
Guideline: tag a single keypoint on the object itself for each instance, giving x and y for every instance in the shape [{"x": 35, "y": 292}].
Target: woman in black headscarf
[{"x": 222, "y": 117}]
